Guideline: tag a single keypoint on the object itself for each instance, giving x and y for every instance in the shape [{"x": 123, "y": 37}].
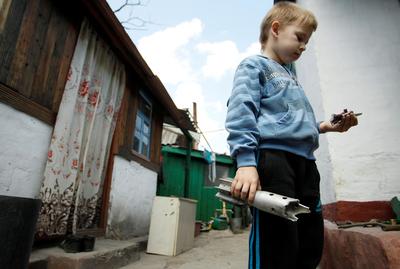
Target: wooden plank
[
  {"x": 9, "y": 36},
  {"x": 107, "y": 184},
  {"x": 24, "y": 104},
  {"x": 96, "y": 232},
  {"x": 28, "y": 70},
  {"x": 55, "y": 59},
  {"x": 156, "y": 134},
  {"x": 26, "y": 35},
  {"x": 61, "y": 74},
  {"x": 130, "y": 119},
  {"x": 71, "y": 21},
  {"x": 43, "y": 57},
  {"x": 39, "y": 92},
  {"x": 120, "y": 128}
]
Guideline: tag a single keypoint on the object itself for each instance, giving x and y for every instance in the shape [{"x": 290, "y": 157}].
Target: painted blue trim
[
  {"x": 254, "y": 232},
  {"x": 258, "y": 240},
  {"x": 251, "y": 241},
  {"x": 142, "y": 120}
]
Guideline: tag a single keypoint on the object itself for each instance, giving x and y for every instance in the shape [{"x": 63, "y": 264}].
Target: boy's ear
[{"x": 275, "y": 28}]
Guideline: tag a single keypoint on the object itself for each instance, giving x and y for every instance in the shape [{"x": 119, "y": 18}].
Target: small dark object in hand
[{"x": 338, "y": 117}]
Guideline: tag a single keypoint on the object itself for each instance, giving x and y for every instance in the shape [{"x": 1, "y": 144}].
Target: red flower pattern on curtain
[{"x": 81, "y": 139}]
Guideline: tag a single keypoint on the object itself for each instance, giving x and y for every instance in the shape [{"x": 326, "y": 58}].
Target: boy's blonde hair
[{"x": 286, "y": 13}]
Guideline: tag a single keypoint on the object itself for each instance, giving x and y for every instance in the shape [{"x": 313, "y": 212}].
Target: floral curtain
[{"x": 79, "y": 149}]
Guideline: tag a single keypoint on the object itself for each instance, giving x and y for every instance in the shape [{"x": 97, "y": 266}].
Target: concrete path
[{"x": 214, "y": 249}]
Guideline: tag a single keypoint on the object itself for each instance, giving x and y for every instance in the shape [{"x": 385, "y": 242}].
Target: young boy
[{"x": 273, "y": 135}]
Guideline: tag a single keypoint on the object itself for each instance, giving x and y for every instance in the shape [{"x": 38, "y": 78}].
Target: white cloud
[
  {"x": 254, "y": 48},
  {"x": 172, "y": 54},
  {"x": 217, "y": 106},
  {"x": 166, "y": 51},
  {"x": 223, "y": 57},
  {"x": 188, "y": 92}
]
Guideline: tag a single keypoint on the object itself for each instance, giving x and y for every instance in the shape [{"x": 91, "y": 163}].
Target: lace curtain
[{"x": 79, "y": 149}]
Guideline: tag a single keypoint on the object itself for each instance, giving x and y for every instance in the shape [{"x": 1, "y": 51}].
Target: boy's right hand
[{"x": 246, "y": 183}]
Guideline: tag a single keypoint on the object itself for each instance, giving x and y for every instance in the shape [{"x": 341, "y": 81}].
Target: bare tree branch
[
  {"x": 134, "y": 29},
  {"x": 133, "y": 22},
  {"x": 129, "y": 3}
]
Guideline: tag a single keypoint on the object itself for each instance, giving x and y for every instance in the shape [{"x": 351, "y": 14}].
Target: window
[{"x": 142, "y": 134}]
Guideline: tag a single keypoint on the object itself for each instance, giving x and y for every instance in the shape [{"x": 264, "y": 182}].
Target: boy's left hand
[{"x": 348, "y": 120}]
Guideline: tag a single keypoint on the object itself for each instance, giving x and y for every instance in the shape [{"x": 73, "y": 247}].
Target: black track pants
[{"x": 277, "y": 243}]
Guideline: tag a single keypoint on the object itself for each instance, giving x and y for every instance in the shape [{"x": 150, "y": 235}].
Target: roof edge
[{"x": 100, "y": 13}]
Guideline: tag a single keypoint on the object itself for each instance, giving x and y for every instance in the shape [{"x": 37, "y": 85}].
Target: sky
[{"x": 194, "y": 48}]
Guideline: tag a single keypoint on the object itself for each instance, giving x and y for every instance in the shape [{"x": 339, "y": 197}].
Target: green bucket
[{"x": 220, "y": 223}]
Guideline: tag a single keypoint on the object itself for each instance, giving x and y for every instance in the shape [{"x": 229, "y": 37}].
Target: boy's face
[{"x": 290, "y": 41}]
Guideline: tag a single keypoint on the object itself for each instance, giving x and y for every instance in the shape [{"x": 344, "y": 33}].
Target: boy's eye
[{"x": 301, "y": 38}]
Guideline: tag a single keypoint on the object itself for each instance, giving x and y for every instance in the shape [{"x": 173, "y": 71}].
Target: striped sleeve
[{"x": 241, "y": 119}]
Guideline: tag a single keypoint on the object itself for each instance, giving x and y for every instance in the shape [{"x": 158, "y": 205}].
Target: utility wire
[
  {"x": 205, "y": 139},
  {"x": 200, "y": 132},
  {"x": 216, "y": 130}
]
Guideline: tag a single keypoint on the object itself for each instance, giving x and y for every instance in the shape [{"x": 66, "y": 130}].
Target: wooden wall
[{"x": 37, "y": 43}]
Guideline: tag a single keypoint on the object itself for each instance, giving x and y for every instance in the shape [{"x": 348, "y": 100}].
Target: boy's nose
[{"x": 302, "y": 47}]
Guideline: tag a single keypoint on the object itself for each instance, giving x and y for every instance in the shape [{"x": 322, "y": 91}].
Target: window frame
[{"x": 144, "y": 120}]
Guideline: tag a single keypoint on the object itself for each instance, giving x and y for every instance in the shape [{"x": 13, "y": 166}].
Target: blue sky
[{"x": 195, "y": 47}]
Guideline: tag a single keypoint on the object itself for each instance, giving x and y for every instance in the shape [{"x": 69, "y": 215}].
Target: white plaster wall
[
  {"x": 308, "y": 76},
  {"x": 357, "y": 58},
  {"x": 24, "y": 144},
  {"x": 131, "y": 197}
]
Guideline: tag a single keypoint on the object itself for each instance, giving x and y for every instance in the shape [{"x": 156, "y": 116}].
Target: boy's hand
[
  {"x": 246, "y": 183},
  {"x": 348, "y": 120}
]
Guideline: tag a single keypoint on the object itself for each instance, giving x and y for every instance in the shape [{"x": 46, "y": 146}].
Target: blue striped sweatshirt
[{"x": 268, "y": 109}]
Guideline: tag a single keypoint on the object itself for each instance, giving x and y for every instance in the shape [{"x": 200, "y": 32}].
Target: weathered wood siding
[{"x": 36, "y": 47}]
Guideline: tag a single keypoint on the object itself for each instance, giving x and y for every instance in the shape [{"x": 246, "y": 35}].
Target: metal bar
[{"x": 272, "y": 203}]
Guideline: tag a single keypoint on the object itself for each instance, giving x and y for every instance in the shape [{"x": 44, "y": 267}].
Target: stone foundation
[{"x": 360, "y": 248}]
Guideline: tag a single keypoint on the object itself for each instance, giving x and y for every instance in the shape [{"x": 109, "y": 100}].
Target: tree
[{"x": 133, "y": 22}]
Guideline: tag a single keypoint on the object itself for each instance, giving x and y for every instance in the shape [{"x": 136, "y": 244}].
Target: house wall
[
  {"x": 133, "y": 182},
  {"x": 37, "y": 42},
  {"x": 308, "y": 75},
  {"x": 353, "y": 62},
  {"x": 36, "y": 48},
  {"x": 24, "y": 144},
  {"x": 133, "y": 188}
]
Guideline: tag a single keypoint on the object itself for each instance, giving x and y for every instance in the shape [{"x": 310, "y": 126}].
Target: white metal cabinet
[{"x": 172, "y": 225}]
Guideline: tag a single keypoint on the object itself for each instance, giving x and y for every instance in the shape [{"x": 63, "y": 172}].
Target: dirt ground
[{"x": 214, "y": 249}]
